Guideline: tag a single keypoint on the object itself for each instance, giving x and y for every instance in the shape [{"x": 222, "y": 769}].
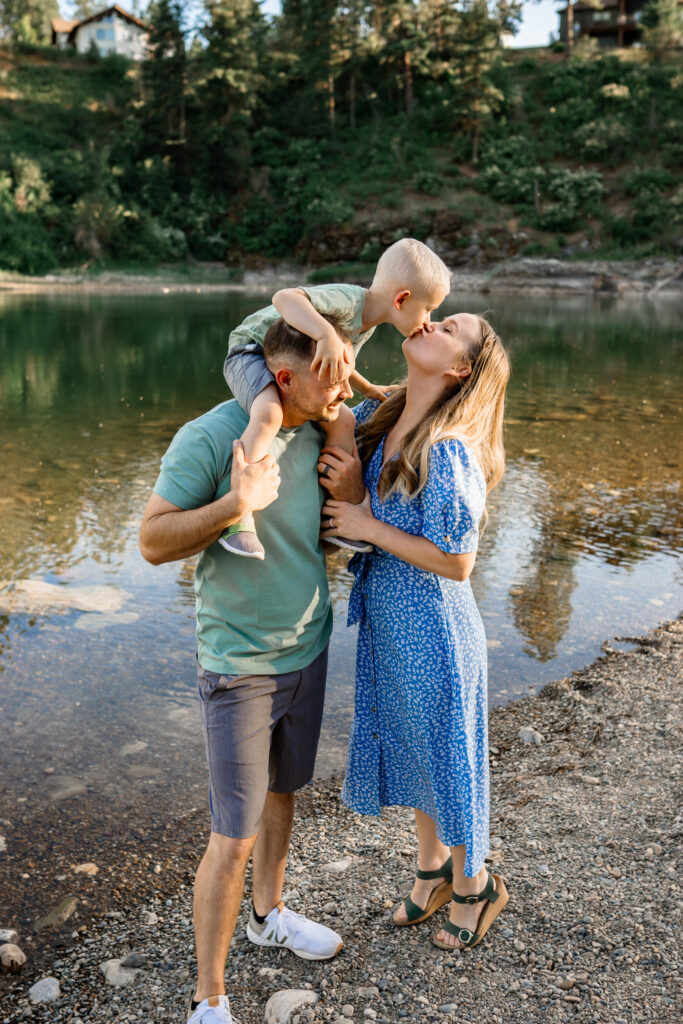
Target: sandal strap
[
  {"x": 467, "y": 937},
  {"x": 487, "y": 893},
  {"x": 412, "y": 909},
  {"x": 445, "y": 871}
]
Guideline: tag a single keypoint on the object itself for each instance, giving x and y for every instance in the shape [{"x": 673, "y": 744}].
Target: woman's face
[{"x": 442, "y": 349}]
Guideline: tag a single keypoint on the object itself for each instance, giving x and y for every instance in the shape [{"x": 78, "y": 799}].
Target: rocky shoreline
[
  {"x": 584, "y": 826},
  {"x": 649, "y": 278}
]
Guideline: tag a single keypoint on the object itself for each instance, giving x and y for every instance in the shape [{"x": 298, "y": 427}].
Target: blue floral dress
[{"x": 419, "y": 735}]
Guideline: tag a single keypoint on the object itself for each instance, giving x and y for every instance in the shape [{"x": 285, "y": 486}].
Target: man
[{"x": 263, "y": 629}]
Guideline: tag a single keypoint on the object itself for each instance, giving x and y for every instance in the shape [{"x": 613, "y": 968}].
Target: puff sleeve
[
  {"x": 364, "y": 410},
  {"x": 453, "y": 498}
]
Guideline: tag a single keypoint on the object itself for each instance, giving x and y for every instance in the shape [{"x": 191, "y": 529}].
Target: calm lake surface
[{"x": 583, "y": 543}]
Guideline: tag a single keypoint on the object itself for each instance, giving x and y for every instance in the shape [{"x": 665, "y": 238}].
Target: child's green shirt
[{"x": 344, "y": 302}]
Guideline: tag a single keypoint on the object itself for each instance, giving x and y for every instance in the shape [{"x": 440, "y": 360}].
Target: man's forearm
[{"x": 170, "y": 536}]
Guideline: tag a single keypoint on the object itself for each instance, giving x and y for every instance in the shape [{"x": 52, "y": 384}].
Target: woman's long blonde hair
[{"x": 472, "y": 411}]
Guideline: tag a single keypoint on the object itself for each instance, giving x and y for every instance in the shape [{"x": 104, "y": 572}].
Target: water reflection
[{"x": 583, "y": 542}]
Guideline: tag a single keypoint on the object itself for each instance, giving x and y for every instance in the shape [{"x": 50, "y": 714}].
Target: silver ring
[{"x": 325, "y": 471}]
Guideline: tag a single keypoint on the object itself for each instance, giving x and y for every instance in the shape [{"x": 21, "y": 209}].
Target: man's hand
[
  {"x": 256, "y": 484},
  {"x": 331, "y": 357},
  {"x": 342, "y": 474}
]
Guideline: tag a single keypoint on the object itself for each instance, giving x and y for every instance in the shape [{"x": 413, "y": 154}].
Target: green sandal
[
  {"x": 440, "y": 895},
  {"x": 496, "y": 896}
]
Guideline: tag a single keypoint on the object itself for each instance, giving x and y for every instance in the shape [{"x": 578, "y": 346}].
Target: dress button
[
  {"x": 373, "y": 709},
  {"x": 374, "y": 735}
]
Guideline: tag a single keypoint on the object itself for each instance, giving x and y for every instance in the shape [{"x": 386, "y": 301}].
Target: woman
[{"x": 430, "y": 453}]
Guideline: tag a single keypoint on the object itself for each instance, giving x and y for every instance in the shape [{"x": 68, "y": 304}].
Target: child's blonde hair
[{"x": 412, "y": 264}]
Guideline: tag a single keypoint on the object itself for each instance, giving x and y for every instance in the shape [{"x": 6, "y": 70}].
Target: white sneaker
[
  {"x": 284, "y": 929},
  {"x": 214, "y": 1010}
]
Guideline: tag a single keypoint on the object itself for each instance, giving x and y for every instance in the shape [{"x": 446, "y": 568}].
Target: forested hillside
[{"x": 324, "y": 134}]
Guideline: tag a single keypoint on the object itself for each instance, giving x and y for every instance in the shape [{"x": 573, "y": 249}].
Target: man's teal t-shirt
[{"x": 255, "y": 617}]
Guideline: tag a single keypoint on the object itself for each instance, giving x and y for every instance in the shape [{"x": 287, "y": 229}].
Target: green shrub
[
  {"x": 25, "y": 244},
  {"x": 603, "y": 139},
  {"x": 648, "y": 179},
  {"x": 428, "y": 183}
]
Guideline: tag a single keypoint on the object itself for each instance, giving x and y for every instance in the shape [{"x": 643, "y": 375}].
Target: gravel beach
[{"x": 584, "y": 823}]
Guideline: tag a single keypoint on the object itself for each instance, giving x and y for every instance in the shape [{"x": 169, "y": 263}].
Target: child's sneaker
[
  {"x": 241, "y": 539},
  {"x": 284, "y": 929},
  {"x": 352, "y": 545},
  {"x": 213, "y": 1010}
]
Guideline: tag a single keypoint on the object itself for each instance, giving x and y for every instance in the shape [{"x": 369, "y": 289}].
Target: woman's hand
[
  {"x": 342, "y": 474},
  {"x": 353, "y": 521}
]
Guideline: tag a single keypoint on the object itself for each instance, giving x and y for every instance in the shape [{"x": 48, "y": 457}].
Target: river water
[{"x": 583, "y": 542}]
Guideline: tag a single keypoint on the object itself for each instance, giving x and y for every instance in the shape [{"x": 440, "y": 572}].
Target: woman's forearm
[{"x": 420, "y": 552}]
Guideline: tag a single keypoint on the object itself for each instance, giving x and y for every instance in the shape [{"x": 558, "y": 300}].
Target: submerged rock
[
  {"x": 35, "y": 597},
  {"x": 58, "y": 915}
]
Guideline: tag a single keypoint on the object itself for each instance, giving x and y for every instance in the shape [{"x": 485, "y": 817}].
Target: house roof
[
  {"x": 60, "y": 25},
  {"x": 110, "y": 10}
]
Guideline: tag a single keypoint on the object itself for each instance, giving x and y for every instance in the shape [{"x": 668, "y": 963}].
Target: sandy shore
[
  {"x": 520, "y": 275},
  {"x": 583, "y": 830}
]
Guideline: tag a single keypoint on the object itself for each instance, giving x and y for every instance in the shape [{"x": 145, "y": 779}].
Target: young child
[{"x": 410, "y": 281}]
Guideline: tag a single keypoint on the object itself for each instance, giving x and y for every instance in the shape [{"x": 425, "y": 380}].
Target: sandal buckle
[
  {"x": 472, "y": 899},
  {"x": 465, "y": 935}
]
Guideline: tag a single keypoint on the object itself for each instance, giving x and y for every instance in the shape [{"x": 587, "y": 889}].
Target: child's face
[{"x": 412, "y": 312}]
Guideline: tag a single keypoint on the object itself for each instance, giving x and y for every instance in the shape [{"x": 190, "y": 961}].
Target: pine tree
[
  {"x": 164, "y": 74},
  {"x": 27, "y": 21},
  {"x": 662, "y": 24},
  {"x": 476, "y": 50}
]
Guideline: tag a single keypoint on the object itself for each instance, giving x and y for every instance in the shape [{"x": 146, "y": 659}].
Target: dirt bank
[{"x": 645, "y": 278}]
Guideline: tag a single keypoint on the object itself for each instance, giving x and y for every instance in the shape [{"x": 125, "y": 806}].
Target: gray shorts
[
  {"x": 261, "y": 733},
  {"x": 246, "y": 373}
]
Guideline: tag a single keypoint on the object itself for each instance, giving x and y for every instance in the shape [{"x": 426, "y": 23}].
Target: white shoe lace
[{"x": 281, "y": 930}]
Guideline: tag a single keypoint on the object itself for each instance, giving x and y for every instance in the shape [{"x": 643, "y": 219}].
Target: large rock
[
  {"x": 44, "y": 991},
  {"x": 8, "y": 935},
  {"x": 11, "y": 958},
  {"x": 281, "y": 1006},
  {"x": 116, "y": 974}
]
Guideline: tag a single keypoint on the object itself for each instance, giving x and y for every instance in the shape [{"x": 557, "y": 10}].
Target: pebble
[
  {"x": 8, "y": 935},
  {"x": 568, "y": 982},
  {"x": 87, "y": 868},
  {"x": 149, "y": 917},
  {"x": 448, "y": 1008},
  {"x": 116, "y": 974},
  {"x": 369, "y": 1012},
  {"x": 338, "y": 867},
  {"x": 44, "y": 991},
  {"x": 134, "y": 960},
  {"x": 529, "y": 735},
  {"x": 283, "y": 1004},
  {"x": 347, "y": 1010}
]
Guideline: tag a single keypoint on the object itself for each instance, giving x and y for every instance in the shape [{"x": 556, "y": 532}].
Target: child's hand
[
  {"x": 331, "y": 357},
  {"x": 379, "y": 392}
]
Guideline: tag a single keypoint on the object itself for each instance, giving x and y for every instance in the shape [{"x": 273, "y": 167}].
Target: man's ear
[
  {"x": 284, "y": 378},
  {"x": 400, "y": 298}
]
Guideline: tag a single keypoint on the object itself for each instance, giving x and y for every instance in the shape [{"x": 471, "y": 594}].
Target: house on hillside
[
  {"x": 610, "y": 22},
  {"x": 112, "y": 30}
]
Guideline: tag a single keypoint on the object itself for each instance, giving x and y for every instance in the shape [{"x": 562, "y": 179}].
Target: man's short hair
[{"x": 284, "y": 343}]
